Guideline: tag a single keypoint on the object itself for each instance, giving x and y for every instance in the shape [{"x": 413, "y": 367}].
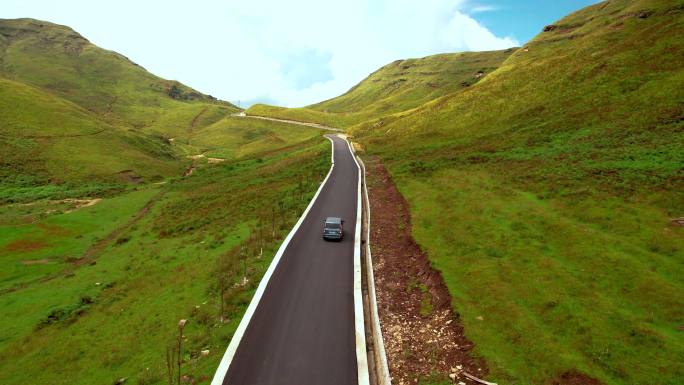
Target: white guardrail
[{"x": 381, "y": 366}]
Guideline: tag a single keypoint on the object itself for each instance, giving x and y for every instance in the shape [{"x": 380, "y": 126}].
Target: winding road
[{"x": 305, "y": 323}]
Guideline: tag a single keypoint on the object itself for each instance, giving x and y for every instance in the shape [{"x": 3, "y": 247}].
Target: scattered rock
[
  {"x": 480, "y": 318},
  {"x": 205, "y": 352},
  {"x": 550, "y": 28},
  {"x": 120, "y": 381},
  {"x": 452, "y": 376}
]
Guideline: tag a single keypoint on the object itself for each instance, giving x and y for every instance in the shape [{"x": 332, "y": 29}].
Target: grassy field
[
  {"x": 550, "y": 219},
  {"x": 399, "y": 86},
  {"x": 236, "y": 138},
  {"x": 105, "y": 245},
  {"x": 99, "y": 290}
]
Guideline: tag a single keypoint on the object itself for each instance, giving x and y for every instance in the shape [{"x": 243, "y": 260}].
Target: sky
[{"x": 295, "y": 52}]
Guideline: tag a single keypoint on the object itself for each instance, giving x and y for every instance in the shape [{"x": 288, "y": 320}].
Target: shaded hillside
[
  {"x": 46, "y": 139},
  {"x": 58, "y": 59},
  {"x": 545, "y": 194},
  {"x": 73, "y": 112},
  {"x": 398, "y": 86}
]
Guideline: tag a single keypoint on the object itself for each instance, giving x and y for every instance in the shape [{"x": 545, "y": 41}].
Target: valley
[{"x": 526, "y": 209}]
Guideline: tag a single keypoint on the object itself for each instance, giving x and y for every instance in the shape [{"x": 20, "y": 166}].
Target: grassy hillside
[
  {"x": 398, "y": 86},
  {"x": 104, "y": 246},
  {"x": 236, "y": 138},
  {"x": 94, "y": 293},
  {"x": 58, "y": 59},
  {"x": 544, "y": 193},
  {"x": 76, "y": 114},
  {"x": 48, "y": 140}
]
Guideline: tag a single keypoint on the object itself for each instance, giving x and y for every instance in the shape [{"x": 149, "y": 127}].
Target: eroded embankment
[{"x": 424, "y": 338}]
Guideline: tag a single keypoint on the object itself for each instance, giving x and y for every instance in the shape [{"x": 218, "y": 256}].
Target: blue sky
[
  {"x": 294, "y": 52},
  {"x": 522, "y": 19}
]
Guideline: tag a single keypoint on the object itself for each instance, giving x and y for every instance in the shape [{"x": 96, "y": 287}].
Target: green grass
[
  {"x": 551, "y": 217},
  {"x": 561, "y": 284},
  {"x": 544, "y": 194},
  {"x": 236, "y": 138},
  {"x": 71, "y": 112},
  {"x": 58, "y": 59},
  {"x": 115, "y": 318},
  {"x": 94, "y": 294},
  {"x": 396, "y": 87},
  {"x": 48, "y": 139}
]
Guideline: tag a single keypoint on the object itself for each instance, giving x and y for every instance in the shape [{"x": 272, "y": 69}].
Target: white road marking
[
  {"x": 360, "y": 332},
  {"x": 222, "y": 370}
]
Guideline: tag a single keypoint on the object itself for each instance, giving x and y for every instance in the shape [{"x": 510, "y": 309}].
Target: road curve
[{"x": 303, "y": 328}]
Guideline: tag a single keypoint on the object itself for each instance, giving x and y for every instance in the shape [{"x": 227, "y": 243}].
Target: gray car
[{"x": 332, "y": 231}]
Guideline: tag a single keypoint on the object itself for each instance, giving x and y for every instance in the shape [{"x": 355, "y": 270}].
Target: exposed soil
[
  {"x": 423, "y": 337},
  {"x": 193, "y": 123},
  {"x": 129, "y": 176},
  {"x": 80, "y": 203},
  {"x": 575, "y": 378},
  {"x": 25, "y": 245}
]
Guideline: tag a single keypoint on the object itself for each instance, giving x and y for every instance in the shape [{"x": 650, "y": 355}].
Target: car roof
[{"x": 333, "y": 220}]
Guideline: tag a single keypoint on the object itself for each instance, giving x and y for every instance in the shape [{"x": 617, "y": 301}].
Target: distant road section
[
  {"x": 302, "y": 331},
  {"x": 315, "y": 125}
]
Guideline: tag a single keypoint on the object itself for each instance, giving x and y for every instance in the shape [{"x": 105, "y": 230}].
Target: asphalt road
[{"x": 302, "y": 331}]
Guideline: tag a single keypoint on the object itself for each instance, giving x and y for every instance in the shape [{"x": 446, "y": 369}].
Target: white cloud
[
  {"x": 482, "y": 9},
  {"x": 295, "y": 52}
]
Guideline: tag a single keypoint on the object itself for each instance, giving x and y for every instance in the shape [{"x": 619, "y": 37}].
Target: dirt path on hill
[
  {"x": 423, "y": 337},
  {"x": 193, "y": 123},
  {"x": 94, "y": 251}
]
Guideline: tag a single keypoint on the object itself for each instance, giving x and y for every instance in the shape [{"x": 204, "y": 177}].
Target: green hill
[
  {"x": 77, "y": 119},
  {"x": 59, "y": 60},
  {"x": 46, "y": 139},
  {"x": 104, "y": 246},
  {"x": 544, "y": 194},
  {"x": 398, "y": 86}
]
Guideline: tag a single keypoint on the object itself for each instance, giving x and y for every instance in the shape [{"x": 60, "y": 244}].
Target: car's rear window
[{"x": 332, "y": 225}]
